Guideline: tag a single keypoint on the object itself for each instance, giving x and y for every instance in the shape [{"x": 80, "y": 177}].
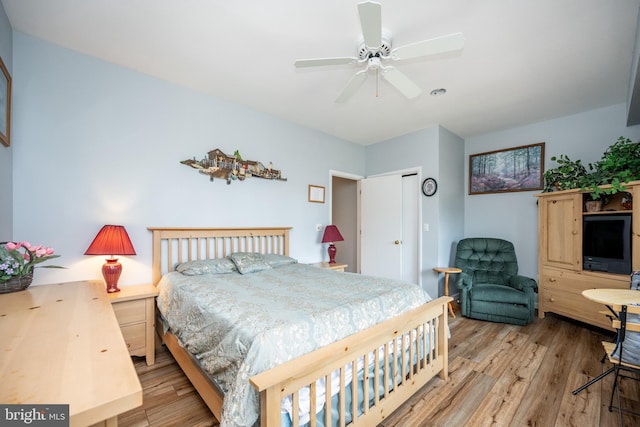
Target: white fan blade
[
  {"x": 401, "y": 82},
  {"x": 319, "y": 62},
  {"x": 448, "y": 43},
  {"x": 371, "y": 23},
  {"x": 353, "y": 86}
]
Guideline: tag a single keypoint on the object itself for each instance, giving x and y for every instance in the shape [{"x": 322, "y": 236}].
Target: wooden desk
[
  {"x": 447, "y": 271},
  {"x": 61, "y": 344}
]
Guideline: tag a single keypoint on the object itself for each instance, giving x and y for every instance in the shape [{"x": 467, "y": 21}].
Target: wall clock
[{"x": 429, "y": 187}]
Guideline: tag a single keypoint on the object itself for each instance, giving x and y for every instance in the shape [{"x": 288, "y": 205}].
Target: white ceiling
[{"x": 524, "y": 61}]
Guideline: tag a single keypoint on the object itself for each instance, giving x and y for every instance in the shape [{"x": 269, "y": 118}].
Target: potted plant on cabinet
[
  {"x": 591, "y": 184},
  {"x": 567, "y": 175},
  {"x": 619, "y": 164}
]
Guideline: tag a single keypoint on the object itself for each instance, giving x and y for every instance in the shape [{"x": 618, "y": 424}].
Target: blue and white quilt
[{"x": 238, "y": 325}]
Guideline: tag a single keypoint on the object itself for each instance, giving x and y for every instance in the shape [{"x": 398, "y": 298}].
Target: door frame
[
  {"x": 356, "y": 178},
  {"x": 413, "y": 170}
]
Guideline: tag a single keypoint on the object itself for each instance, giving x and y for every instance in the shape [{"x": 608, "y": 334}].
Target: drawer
[
  {"x": 575, "y": 283},
  {"x": 550, "y": 280},
  {"x": 574, "y": 306},
  {"x": 561, "y": 292},
  {"x": 134, "y": 336},
  {"x": 130, "y": 311}
]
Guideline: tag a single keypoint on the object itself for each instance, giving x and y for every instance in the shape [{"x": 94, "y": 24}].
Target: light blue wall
[
  {"x": 95, "y": 143},
  {"x": 6, "y": 169},
  {"x": 514, "y": 216},
  {"x": 100, "y": 144},
  {"x": 437, "y": 153},
  {"x": 450, "y": 198}
]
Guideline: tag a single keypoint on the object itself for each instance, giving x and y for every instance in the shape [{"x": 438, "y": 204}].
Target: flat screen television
[{"x": 606, "y": 243}]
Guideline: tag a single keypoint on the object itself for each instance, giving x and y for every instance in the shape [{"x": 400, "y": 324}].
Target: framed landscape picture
[
  {"x": 511, "y": 169},
  {"x": 5, "y": 105}
]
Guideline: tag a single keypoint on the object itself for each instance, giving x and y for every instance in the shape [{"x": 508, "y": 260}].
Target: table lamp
[
  {"x": 332, "y": 234},
  {"x": 111, "y": 240}
]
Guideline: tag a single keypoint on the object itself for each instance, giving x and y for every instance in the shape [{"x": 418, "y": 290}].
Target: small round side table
[{"x": 447, "y": 271}]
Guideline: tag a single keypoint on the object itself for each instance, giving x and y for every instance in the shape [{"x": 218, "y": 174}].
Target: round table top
[
  {"x": 613, "y": 296},
  {"x": 447, "y": 269}
]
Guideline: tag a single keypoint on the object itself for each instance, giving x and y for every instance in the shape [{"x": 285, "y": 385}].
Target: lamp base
[
  {"x": 332, "y": 253},
  {"x": 111, "y": 271}
]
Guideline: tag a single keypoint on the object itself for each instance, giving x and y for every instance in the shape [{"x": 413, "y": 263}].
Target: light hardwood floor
[{"x": 499, "y": 375}]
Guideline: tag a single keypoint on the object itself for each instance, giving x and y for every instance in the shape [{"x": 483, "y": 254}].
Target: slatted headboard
[{"x": 172, "y": 245}]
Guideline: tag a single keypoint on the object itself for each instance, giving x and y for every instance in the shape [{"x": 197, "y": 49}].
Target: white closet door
[{"x": 381, "y": 226}]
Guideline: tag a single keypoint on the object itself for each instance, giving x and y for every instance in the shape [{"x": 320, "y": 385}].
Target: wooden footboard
[{"x": 430, "y": 350}]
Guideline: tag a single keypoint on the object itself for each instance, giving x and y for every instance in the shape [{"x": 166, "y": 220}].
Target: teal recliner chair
[{"x": 490, "y": 287}]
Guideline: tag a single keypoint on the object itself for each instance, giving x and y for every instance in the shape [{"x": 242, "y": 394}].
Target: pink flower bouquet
[{"x": 18, "y": 259}]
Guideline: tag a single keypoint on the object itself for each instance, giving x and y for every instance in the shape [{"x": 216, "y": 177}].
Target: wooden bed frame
[{"x": 172, "y": 246}]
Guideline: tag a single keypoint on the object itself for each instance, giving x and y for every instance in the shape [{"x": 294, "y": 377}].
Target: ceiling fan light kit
[{"x": 375, "y": 52}]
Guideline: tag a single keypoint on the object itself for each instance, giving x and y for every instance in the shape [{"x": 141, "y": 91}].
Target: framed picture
[
  {"x": 316, "y": 193},
  {"x": 513, "y": 169},
  {"x": 5, "y": 105}
]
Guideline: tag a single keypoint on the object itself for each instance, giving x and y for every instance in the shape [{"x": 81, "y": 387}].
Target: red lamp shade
[
  {"x": 111, "y": 240},
  {"x": 332, "y": 234}
]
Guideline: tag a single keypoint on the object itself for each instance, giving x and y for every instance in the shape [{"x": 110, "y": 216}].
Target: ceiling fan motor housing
[{"x": 366, "y": 52}]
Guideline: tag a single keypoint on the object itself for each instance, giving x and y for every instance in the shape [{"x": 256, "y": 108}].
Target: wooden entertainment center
[{"x": 560, "y": 262}]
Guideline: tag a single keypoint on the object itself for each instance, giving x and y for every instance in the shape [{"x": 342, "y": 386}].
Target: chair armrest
[
  {"x": 465, "y": 280},
  {"x": 521, "y": 283}
]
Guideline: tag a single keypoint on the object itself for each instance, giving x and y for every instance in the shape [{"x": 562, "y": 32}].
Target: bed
[{"x": 370, "y": 372}]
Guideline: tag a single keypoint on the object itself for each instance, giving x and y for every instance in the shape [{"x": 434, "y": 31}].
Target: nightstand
[
  {"x": 335, "y": 267},
  {"x": 134, "y": 307}
]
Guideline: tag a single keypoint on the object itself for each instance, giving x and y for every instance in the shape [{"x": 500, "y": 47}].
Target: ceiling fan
[{"x": 375, "y": 53}]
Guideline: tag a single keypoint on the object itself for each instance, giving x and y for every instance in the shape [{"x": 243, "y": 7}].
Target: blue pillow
[
  {"x": 275, "y": 260},
  {"x": 249, "y": 262},
  {"x": 207, "y": 266}
]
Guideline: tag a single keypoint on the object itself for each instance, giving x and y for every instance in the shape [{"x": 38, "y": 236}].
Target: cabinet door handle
[
  {"x": 574, "y": 232},
  {"x": 397, "y": 242},
  {"x": 552, "y": 279},
  {"x": 551, "y": 299}
]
